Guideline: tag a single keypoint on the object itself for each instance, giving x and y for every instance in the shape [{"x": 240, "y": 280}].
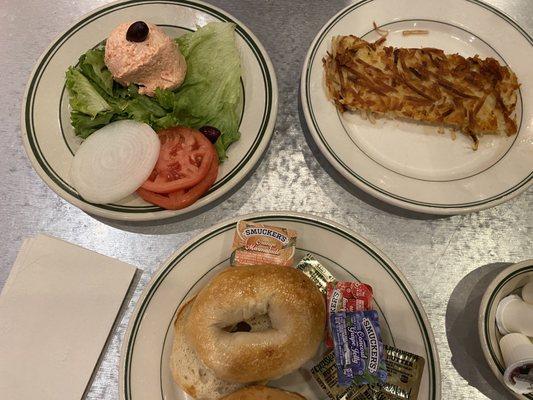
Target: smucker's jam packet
[
  {"x": 258, "y": 244},
  {"x": 359, "y": 351},
  {"x": 347, "y": 296},
  {"x": 404, "y": 374},
  {"x": 315, "y": 271}
]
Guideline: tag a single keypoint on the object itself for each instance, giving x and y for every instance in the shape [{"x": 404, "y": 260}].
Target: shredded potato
[{"x": 474, "y": 95}]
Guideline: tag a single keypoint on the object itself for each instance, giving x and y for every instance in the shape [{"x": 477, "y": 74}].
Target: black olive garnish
[
  {"x": 137, "y": 32},
  {"x": 210, "y": 132}
]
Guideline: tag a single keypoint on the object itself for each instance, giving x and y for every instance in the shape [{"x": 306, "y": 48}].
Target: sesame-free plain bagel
[
  {"x": 188, "y": 372},
  {"x": 293, "y": 304}
]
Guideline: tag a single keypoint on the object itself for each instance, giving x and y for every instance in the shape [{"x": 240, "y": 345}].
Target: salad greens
[
  {"x": 83, "y": 96},
  {"x": 210, "y": 94}
]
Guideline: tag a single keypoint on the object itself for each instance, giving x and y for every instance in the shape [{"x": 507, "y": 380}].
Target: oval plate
[
  {"x": 49, "y": 138},
  {"x": 145, "y": 372},
  {"x": 508, "y": 281},
  {"x": 408, "y": 164}
]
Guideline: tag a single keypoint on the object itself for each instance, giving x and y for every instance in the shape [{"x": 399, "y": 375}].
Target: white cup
[
  {"x": 513, "y": 315},
  {"x": 517, "y": 352},
  {"x": 527, "y": 293}
]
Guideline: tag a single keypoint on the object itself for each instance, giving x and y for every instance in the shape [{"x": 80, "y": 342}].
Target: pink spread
[{"x": 154, "y": 63}]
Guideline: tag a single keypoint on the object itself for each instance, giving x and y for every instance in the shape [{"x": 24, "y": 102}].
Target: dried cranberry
[{"x": 210, "y": 132}]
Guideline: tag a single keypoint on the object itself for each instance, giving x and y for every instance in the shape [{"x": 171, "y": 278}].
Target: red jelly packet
[{"x": 347, "y": 296}]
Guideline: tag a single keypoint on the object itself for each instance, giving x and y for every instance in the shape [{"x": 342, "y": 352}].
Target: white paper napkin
[{"x": 57, "y": 308}]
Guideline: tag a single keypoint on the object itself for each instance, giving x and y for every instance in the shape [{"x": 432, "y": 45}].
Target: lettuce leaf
[
  {"x": 84, "y": 124},
  {"x": 92, "y": 65},
  {"x": 211, "y": 92},
  {"x": 143, "y": 108},
  {"x": 83, "y": 97},
  {"x": 210, "y": 95}
]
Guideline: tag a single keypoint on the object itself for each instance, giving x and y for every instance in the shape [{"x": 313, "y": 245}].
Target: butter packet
[
  {"x": 258, "y": 244},
  {"x": 325, "y": 374},
  {"x": 404, "y": 374},
  {"x": 315, "y": 271}
]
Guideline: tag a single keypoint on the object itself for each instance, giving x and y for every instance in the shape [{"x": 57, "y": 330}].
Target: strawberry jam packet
[{"x": 347, "y": 296}]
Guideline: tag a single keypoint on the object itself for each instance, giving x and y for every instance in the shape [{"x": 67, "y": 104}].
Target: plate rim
[
  {"x": 359, "y": 182},
  {"x": 302, "y": 217},
  {"x": 486, "y": 305},
  {"x": 240, "y": 175}
]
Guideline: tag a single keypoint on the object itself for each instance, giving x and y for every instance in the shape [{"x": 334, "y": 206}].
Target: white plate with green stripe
[
  {"x": 411, "y": 165},
  {"x": 49, "y": 138},
  {"x": 509, "y": 281},
  {"x": 144, "y": 368}
]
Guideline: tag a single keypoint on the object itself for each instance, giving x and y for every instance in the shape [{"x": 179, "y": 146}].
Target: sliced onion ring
[{"x": 114, "y": 161}]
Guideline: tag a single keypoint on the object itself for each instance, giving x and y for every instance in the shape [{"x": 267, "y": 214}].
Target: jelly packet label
[
  {"x": 315, "y": 271},
  {"x": 358, "y": 347},
  {"x": 343, "y": 355},
  {"x": 258, "y": 244}
]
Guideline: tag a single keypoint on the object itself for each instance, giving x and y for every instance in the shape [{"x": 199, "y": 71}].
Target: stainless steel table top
[{"x": 449, "y": 260}]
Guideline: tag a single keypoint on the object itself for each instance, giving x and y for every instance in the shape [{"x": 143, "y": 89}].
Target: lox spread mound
[
  {"x": 143, "y": 54},
  {"x": 285, "y": 320}
]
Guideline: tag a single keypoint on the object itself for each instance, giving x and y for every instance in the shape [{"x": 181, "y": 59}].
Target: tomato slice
[
  {"x": 183, "y": 197},
  {"x": 184, "y": 160}
]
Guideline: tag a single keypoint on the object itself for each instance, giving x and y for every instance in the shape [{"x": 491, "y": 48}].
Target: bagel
[
  {"x": 263, "y": 393},
  {"x": 188, "y": 371},
  {"x": 293, "y": 303}
]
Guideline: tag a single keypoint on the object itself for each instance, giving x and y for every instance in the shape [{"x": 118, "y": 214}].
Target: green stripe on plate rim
[
  {"x": 490, "y": 304},
  {"x": 313, "y": 53},
  {"x": 170, "y": 266},
  {"x": 29, "y": 123}
]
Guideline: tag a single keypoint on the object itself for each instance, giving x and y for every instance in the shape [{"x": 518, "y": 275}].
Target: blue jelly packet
[
  {"x": 358, "y": 348},
  {"x": 343, "y": 357}
]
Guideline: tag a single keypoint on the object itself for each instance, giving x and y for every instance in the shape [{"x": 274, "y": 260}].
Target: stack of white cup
[{"x": 514, "y": 318}]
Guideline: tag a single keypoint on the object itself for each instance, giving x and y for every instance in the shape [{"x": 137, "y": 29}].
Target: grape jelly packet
[{"x": 359, "y": 351}]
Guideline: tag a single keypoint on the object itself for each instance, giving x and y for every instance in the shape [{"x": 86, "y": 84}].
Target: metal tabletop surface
[{"x": 448, "y": 260}]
